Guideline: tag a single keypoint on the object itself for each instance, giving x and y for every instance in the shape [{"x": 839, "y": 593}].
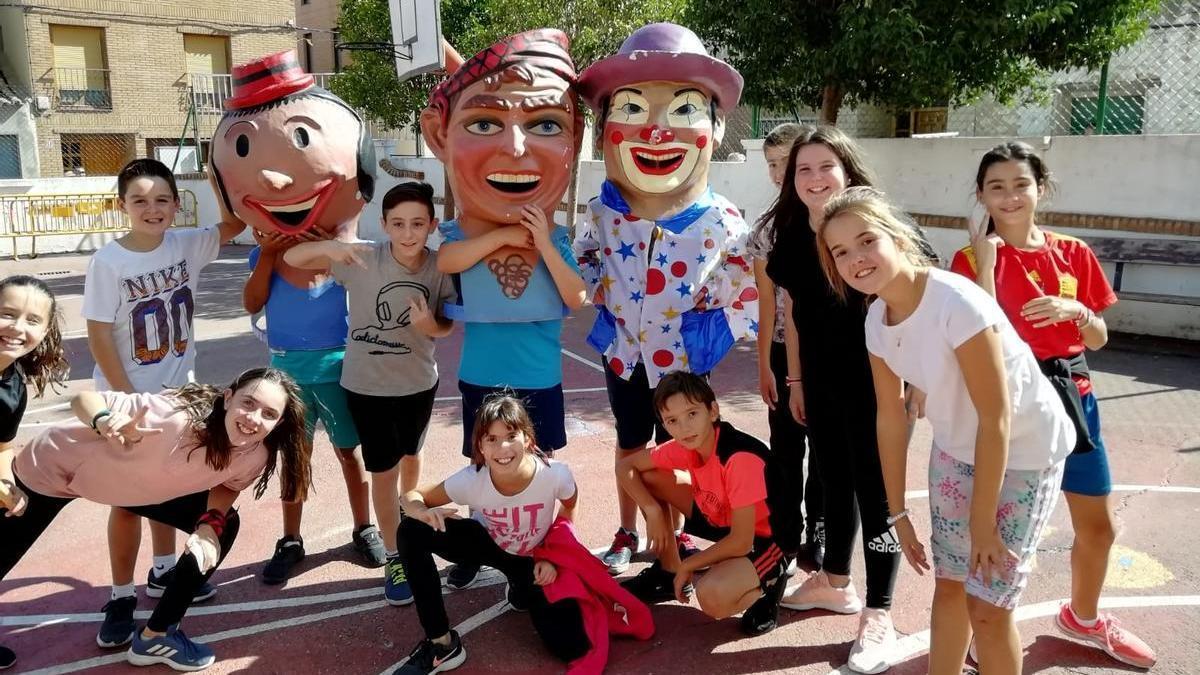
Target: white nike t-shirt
[{"x": 149, "y": 298}]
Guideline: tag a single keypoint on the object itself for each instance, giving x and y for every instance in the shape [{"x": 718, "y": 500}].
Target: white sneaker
[{"x": 875, "y": 648}]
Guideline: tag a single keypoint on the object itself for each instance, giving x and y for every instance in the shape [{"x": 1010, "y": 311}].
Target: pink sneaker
[
  {"x": 817, "y": 593},
  {"x": 1109, "y": 636}
]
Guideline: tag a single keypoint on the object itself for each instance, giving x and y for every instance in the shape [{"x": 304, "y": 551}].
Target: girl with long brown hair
[{"x": 180, "y": 457}]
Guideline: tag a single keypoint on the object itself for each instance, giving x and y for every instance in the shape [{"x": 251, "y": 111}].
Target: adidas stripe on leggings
[
  {"x": 841, "y": 432},
  {"x": 18, "y": 535}
]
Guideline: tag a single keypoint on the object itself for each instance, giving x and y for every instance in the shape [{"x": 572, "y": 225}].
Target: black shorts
[
  {"x": 768, "y": 559},
  {"x": 545, "y": 408},
  {"x": 390, "y": 427},
  {"x": 632, "y": 403}
]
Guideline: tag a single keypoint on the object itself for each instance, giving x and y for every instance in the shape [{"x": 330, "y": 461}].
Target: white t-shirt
[
  {"x": 519, "y": 522},
  {"x": 920, "y": 350},
  {"x": 150, "y": 297}
]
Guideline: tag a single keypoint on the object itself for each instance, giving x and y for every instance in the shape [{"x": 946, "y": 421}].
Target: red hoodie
[{"x": 607, "y": 608}]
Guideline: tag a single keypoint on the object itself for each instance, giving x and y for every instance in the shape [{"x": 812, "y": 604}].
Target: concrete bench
[{"x": 1168, "y": 252}]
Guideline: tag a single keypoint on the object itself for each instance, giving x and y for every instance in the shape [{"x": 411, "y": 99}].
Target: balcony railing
[
  {"x": 210, "y": 91},
  {"x": 82, "y": 89}
]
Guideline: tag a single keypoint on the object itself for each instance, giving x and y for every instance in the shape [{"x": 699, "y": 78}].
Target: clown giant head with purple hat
[{"x": 661, "y": 102}]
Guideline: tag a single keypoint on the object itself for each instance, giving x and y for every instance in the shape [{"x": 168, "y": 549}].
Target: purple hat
[{"x": 661, "y": 51}]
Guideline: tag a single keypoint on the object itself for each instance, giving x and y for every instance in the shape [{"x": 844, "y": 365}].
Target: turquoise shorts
[
  {"x": 1027, "y": 499},
  {"x": 318, "y": 373}
]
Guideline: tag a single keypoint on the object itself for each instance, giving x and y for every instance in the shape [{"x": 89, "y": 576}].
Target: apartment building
[{"x": 87, "y": 85}]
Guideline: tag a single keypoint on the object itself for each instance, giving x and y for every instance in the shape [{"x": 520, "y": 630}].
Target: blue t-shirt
[
  {"x": 304, "y": 318},
  {"x": 518, "y": 354}
]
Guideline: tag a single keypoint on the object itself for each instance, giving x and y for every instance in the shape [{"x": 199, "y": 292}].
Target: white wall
[{"x": 1134, "y": 176}]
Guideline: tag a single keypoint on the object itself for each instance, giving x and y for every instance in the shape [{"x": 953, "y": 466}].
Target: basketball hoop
[{"x": 388, "y": 49}]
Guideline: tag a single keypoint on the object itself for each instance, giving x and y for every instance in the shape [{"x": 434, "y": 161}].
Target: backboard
[{"x": 416, "y": 36}]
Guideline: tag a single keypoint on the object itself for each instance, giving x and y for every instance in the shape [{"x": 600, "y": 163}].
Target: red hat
[{"x": 267, "y": 79}]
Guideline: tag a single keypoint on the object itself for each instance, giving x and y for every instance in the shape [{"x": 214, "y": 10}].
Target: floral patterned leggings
[{"x": 1027, "y": 499}]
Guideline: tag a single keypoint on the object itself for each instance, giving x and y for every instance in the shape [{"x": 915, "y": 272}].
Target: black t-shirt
[
  {"x": 12, "y": 401},
  {"x": 833, "y": 349}
]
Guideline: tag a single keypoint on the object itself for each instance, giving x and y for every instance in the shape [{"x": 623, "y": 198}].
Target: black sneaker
[
  {"x": 654, "y": 584},
  {"x": 7, "y": 658},
  {"x": 763, "y": 616},
  {"x": 518, "y": 600},
  {"x": 118, "y": 627},
  {"x": 430, "y": 657},
  {"x": 462, "y": 576},
  {"x": 288, "y": 552},
  {"x": 156, "y": 586},
  {"x": 368, "y": 541}
]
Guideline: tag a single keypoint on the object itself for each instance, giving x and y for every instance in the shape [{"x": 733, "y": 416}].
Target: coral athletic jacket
[{"x": 607, "y": 608}]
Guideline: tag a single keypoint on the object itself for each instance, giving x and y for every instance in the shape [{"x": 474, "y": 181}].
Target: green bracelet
[{"x": 96, "y": 418}]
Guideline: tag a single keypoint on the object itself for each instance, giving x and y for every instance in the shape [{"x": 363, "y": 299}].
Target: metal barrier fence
[{"x": 74, "y": 214}]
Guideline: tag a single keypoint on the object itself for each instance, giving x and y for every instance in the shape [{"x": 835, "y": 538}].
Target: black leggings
[
  {"x": 788, "y": 441},
  {"x": 842, "y": 433},
  {"x": 18, "y": 534},
  {"x": 466, "y": 541}
]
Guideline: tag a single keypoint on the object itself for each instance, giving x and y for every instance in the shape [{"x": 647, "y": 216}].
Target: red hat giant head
[{"x": 267, "y": 79}]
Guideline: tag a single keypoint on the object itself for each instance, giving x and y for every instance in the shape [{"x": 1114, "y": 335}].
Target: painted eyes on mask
[
  {"x": 545, "y": 127},
  {"x": 300, "y": 137},
  {"x": 484, "y": 128},
  {"x": 242, "y": 145}
]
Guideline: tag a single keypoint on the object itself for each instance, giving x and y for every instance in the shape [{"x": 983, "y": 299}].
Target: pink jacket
[{"x": 607, "y": 608}]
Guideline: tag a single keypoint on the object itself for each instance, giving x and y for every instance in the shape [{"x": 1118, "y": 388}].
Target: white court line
[
  {"x": 918, "y": 643},
  {"x": 49, "y": 408},
  {"x": 439, "y": 399},
  {"x": 584, "y": 360}
]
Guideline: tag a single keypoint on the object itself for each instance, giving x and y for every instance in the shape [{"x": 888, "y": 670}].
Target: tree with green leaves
[
  {"x": 596, "y": 29},
  {"x": 825, "y": 54}
]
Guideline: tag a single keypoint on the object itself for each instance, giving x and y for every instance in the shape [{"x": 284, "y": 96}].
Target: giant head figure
[
  {"x": 661, "y": 102},
  {"x": 288, "y": 156},
  {"x": 507, "y": 125}
]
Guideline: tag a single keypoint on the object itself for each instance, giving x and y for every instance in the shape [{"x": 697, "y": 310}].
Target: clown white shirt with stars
[{"x": 654, "y": 273}]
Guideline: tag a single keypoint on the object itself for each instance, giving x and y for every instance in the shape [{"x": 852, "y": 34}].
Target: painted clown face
[
  {"x": 508, "y": 146},
  {"x": 291, "y": 168},
  {"x": 659, "y": 137}
]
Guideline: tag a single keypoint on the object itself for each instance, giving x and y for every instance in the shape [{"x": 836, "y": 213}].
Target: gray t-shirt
[{"x": 385, "y": 355}]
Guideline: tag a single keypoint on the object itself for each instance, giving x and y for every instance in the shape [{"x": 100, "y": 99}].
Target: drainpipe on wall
[{"x": 1102, "y": 100}]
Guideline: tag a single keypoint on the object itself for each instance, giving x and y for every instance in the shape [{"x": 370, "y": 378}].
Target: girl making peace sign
[{"x": 180, "y": 457}]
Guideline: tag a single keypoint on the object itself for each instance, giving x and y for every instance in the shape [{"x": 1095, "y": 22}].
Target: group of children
[{"x": 860, "y": 333}]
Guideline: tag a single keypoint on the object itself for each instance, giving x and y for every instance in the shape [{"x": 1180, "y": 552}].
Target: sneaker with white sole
[
  {"x": 118, "y": 627},
  {"x": 874, "y": 649},
  {"x": 817, "y": 593},
  {"x": 157, "y": 585},
  {"x": 620, "y": 552},
  {"x": 396, "y": 589},
  {"x": 174, "y": 649},
  {"x": 429, "y": 657},
  {"x": 1108, "y": 636}
]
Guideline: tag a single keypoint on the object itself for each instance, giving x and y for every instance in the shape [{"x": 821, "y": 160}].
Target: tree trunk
[
  {"x": 573, "y": 197},
  {"x": 831, "y": 102}
]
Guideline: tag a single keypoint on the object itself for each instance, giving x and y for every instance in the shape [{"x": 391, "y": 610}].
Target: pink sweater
[
  {"x": 607, "y": 608},
  {"x": 71, "y": 460}
]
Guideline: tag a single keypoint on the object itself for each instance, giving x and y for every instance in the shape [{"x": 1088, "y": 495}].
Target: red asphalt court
[{"x": 330, "y": 618}]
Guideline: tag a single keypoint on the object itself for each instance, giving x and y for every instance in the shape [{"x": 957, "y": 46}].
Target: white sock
[
  {"x": 125, "y": 591},
  {"x": 1086, "y": 623},
  {"x": 163, "y": 564}
]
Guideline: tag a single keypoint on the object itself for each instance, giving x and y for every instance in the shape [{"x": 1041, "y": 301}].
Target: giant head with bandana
[
  {"x": 289, "y": 157},
  {"x": 662, "y": 254},
  {"x": 507, "y": 125}
]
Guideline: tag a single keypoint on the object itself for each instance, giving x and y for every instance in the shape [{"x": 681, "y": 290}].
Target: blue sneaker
[
  {"x": 173, "y": 649},
  {"x": 156, "y": 586},
  {"x": 395, "y": 584},
  {"x": 118, "y": 627}
]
